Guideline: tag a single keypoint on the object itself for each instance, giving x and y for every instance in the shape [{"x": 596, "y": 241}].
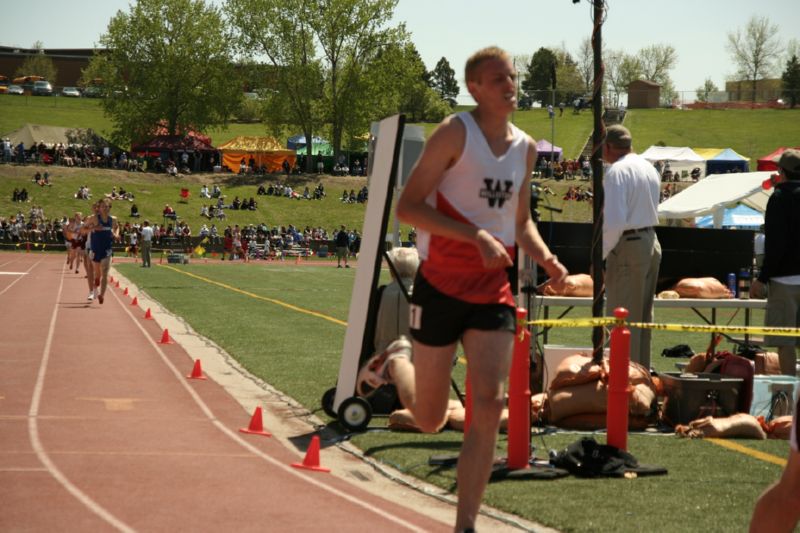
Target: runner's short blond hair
[{"x": 474, "y": 61}]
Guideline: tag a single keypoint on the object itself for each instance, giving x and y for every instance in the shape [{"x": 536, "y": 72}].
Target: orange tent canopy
[{"x": 266, "y": 151}]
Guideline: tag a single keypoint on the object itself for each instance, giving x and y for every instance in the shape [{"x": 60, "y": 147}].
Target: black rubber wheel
[
  {"x": 327, "y": 402},
  {"x": 355, "y": 413}
]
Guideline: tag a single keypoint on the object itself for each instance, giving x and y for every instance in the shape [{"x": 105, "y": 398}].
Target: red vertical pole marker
[
  {"x": 617, "y": 408},
  {"x": 519, "y": 397}
]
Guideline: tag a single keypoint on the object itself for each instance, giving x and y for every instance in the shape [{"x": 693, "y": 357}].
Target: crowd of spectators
[
  {"x": 286, "y": 191},
  {"x": 33, "y": 227},
  {"x": 353, "y": 198},
  {"x": 568, "y": 169},
  {"x": 578, "y": 193}
]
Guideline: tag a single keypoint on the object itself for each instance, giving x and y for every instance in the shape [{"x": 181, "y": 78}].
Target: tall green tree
[
  {"x": 168, "y": 63},
  {"x": 791, "y": 81},
  {"x": 755, "y": 49},
  {"x": 704, "y": 91},
  {"x": 537, "y": 80},
  {"x": 569, "y": 83},
  {"x": 349, "y": 33},
  {"x": 38, "y": 64},
  {"x": 443, "y": 81},
  {"x": 280, "y": 31},
  {"x": 340, "y": 36}
]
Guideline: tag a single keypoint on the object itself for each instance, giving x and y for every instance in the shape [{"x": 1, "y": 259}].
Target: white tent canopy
[
  {"x": 682, "y": 159},
  {"x": 715, "y": 193}
]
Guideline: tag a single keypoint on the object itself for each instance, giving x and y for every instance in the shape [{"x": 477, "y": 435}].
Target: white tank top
[{"x": 481, "y": 190}]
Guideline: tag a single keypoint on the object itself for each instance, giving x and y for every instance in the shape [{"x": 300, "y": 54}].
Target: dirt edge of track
[{"x": 286, "y": 420}]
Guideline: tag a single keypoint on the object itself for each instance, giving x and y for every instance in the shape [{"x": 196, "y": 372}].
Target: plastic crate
[
  {"x": 774, "y": 396},
  {"x": 692, "y": 396}
]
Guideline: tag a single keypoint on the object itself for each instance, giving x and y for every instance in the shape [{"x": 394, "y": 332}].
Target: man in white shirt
[
  {"x": 630, "y": 246},
  {"x": 147, "y": 240}
]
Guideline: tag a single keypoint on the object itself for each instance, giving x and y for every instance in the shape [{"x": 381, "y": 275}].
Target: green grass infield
[{"x": 709, "y": 488}]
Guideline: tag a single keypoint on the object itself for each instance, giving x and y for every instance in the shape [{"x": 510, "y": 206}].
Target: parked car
[
  {"x": 42, "y": 88},
  {"x": 71, "y": 91},
  {"x": 16, "y": 89},
  {"x": 93, "y": 91}
]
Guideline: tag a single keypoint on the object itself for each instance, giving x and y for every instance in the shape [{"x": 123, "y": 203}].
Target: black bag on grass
[
  {"x": 587, "y": 458},
  {"x": 680, "y": 350}
]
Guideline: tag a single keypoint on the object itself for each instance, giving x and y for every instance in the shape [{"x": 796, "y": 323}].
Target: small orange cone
[
  {"x": 256, "y": 425},
  {"x": 311, "y": 460},
  {"x": 126, "y": 291},
  {"x": 165, "y": 338},
  {"x": 117, "y": 284},
  {"x": 147, "y": 315},
  {"x": 135, "y": 301},
  {"x": 197, "y": 371}
]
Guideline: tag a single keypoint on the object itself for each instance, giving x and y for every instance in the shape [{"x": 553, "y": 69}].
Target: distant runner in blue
[{"x": 104, "y": 230}]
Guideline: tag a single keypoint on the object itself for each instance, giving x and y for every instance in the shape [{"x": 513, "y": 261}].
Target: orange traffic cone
[
  {"x": 117, "y": 284},
  {"x": 135, "y": 301},
  {"x": 147, "y": 315},
  {"x": 311, "y": 460},
  {"x": 165, "y": 338},
  {"x": 197, "y": 371},
  {"x": 256, "y": 425},
  {"x": 126, "y": 291}
]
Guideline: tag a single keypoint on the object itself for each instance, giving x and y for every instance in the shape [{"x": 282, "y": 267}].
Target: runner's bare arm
[
  {"x": 89, "y": 224},
  {"x": 115, "y": 228},
  {"x": 528, "y": 236},
  {"x": 441, "y": 152}
]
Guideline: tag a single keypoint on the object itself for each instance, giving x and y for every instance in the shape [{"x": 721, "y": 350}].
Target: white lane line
[
  {"x": 19, "y": 278},
  {"x": 36, "y": 443},
  {"x": 12, "y": 273},
  {"x": 235, "y": 437}
]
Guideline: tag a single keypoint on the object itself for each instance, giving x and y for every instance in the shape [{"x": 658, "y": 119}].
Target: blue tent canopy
[
  {"x": 740, "y": 216},
  {"x": 727, "y": 161}
]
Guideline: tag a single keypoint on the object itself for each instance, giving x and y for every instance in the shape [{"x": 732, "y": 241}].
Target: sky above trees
[{"x": 455, "y": 28}]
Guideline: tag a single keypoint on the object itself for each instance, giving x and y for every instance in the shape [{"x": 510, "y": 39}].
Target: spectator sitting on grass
[
  {"x": 204, "y": 192},
  {"x": 204, "y": 211},
  {"x": 169, "y": 212},
  {"x": 261, "y": 190},
  {"x": 345, "y": 197},
  {"x": 236, "y": 203},
  {"x": 134, "y": 211},
  {"x": 251, "y": 205},
  {"x": 172, "y": 170},
  {"x": 306, "y": 194}
]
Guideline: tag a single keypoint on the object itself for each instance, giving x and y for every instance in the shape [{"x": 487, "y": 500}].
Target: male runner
[
  {"x": 469, "y": 198},
  {"x": 104, "y": 230}
]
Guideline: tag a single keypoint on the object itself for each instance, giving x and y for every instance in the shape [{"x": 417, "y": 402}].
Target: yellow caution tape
[
  {"x": 781, "y": 332},
  {"x": 610, "y": 321},
  {"x": 573, "y": 323}
]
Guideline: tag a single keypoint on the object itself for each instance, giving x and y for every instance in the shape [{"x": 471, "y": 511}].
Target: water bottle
[
  {"x": 744, "y": 284},
  {"x": 732, "y": 284}
]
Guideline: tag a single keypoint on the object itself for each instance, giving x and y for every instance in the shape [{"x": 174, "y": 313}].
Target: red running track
[{"x": 100, "y": 430}]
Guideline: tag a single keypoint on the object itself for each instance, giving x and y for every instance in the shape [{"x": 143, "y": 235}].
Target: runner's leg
[
  {"x": 489, "y": 359},
  {"x": 424, "y": 386}
]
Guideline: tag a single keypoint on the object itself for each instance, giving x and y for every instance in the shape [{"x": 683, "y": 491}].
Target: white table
[{"x": 695, "y": 304}]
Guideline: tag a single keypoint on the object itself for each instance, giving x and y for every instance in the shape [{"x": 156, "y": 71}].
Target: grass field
[{"x": 709, "y": 488}]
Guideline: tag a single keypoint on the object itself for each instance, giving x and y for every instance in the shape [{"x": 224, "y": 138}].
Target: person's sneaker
[
  {"x": 91, "y": 296},
  {"x": 375, "y": 373},
  {"x": 100, "y": 298}
]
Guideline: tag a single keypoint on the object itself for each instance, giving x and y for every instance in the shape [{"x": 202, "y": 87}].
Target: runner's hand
[
  {"x": 556, "y": 272},
  {"x": 492, "y": 251}
]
